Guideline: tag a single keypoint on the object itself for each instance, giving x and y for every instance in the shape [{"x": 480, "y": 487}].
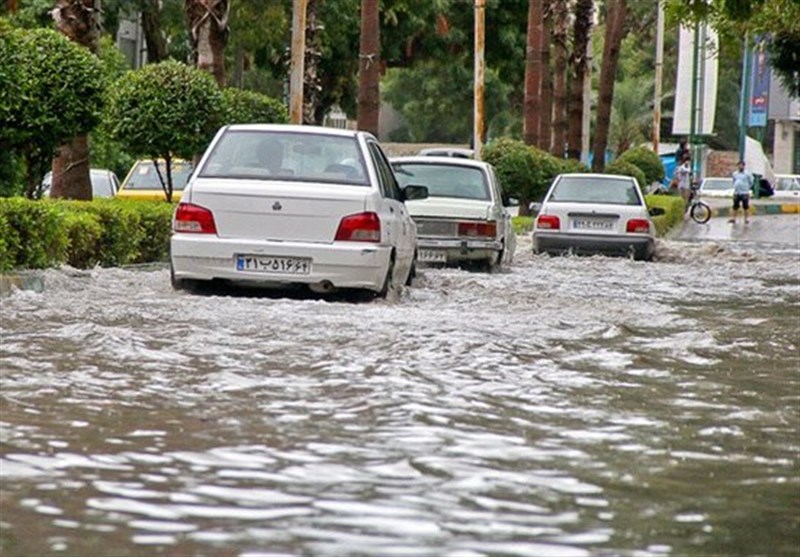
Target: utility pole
[
  {"x": 659, "y": 71},
  {"x": 298, "y": 61},
  {"x": 744, "y": 99},
  {"x": 480, "y": 40}
]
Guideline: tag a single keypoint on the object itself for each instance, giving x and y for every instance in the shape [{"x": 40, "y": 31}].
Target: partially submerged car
[
  {"x": 281, "y": 206},
  {"x": 464, "y": 218},
  {"x": 144, "y": 183},
  {"x": 787, "y": 187},
  {"x": 594, "y": 214}
]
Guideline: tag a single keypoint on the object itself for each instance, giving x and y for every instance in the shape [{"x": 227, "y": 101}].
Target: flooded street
[{"x": 565, "y": 407}]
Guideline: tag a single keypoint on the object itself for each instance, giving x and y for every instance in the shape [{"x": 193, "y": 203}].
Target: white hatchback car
[
  {"x": 464, "y": 218},
  {"x": 594, "y": 213},
  {"x": 281, "y": 205}
]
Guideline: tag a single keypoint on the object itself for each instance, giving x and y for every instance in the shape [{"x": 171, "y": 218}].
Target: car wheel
[
  {"x": 181, "y": 284},
  {"x": 412, "y": 271},
  {"x": 387, "y": 282}
]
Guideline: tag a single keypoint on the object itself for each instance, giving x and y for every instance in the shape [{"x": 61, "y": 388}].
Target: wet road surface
[{"x": 567, "y": 406}]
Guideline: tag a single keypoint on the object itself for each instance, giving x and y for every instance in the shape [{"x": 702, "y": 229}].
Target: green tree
[
  {"x": 165, "y": 110},
  {"x": 247, "y": 107},
  {"x": 57, "y": 94}
]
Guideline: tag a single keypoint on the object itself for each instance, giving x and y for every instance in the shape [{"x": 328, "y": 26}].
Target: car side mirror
[
  {"x": 414, "y": 192},
  {"x": 535, "y": 207},
  {"x": 510, "y": 201},
  {"x": 656, "y": 211}
]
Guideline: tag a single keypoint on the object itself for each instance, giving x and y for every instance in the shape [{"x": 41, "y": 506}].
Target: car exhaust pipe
[{"x": 323, "y": 287}]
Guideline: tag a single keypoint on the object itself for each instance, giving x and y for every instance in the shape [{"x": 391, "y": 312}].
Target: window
[
  {"x": 290, "y": 156},
  {"x": 445, "y": 180}
]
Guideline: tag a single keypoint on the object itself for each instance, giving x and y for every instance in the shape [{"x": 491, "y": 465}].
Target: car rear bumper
[
  {"x": 458, "y": 249},
  {"x": 641, "y": 247},
  {"x": 342, "y": 264}
]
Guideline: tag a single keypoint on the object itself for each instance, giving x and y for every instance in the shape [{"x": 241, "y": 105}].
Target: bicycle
[{"x": 699, "y": 210}]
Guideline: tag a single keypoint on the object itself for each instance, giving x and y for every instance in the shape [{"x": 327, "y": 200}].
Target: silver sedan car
[
  {"x": 594, "y": 214},
  {"x": 279, "y": 206}
]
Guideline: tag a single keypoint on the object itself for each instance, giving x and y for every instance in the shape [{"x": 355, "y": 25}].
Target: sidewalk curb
[
  {"x": 760, "y": 209},
  {"x": 24, "y": 280}
]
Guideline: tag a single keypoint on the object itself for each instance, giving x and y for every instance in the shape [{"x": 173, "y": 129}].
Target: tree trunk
[
  {"x": 533, "y": 74},
  {"x": 313, "y": 56},
  {"x": 151, "y": 28},
  {"x": 560, "y": 30},
  {"x": 208, "y": 33},
  {"x": 369, "y": 68},
  {"x": 546, "y": 123},
  {"x": 581, "y": 32},
  {"x": 79, "y": 20},
  {"x": 615, "y": 30}
]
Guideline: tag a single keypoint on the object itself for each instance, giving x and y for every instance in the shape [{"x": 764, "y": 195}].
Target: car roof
[
  {"x": 440, "y": 160},
  {"x": 295, "y": 128},
  {"x": 597, "y": 175}
]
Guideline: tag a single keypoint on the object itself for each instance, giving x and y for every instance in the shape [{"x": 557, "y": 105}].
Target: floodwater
[{"x": 565, "y": 407}]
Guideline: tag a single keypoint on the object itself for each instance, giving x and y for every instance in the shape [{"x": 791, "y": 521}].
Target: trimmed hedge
[
  {"x": 673, "y": 211},
  {"x": 83, "y": 234}
]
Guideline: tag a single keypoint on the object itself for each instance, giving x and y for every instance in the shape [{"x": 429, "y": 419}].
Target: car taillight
[
  {"x": 550, "y": 222},
  {"x": 363, "y": 227},
  {"x": 194, "y": 219},
  {"x": 638, "y": 226},
  {"x": 476, "y": 229}
]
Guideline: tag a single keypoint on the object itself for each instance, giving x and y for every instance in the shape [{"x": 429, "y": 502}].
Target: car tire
[
  {"x": 387, "y": 282},
  {"x": 181, "y": 284},
  {"x": 412, "y": 271}
]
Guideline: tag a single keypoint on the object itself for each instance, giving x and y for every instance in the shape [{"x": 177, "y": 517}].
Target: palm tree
[
  {"x": 560, "y": 31},
  {"x": 615, "y": 31},
  {"x": 533, "y": 75},
  {"x": 546, "y": 117},
  {"x": 79, "y": 20},
  {"x": 369, "y": 68},
  {"x": 208, "y": 33},
  {"x": 579, "y": 62}
]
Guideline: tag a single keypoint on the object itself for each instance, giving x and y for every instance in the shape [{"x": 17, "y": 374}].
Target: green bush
[
  {"x": 122, "y": 233},
  {"x": 623, "y": 168},
  {"x": 524, "y": 172},
  {"x": 249, "y": 107},
  {"x": 155, "y": 222},
  {"x": 647, "y": 161},
  {"x": 84, "y": 231},
  {"x": 36, "y": 239},
  {"x": 672, "y": 205},
  {"x": 8, "y": 237}
]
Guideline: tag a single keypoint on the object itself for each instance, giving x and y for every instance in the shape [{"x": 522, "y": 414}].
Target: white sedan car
[
  {"x": 787, "y": 187},
  {"x": 464, "y": 218},
  {"x": 280, "y": 205},
  {"x": 716, "y": 187},
  {"x": 594, "y": 214}
]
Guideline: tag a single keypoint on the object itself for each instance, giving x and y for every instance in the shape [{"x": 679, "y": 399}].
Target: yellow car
[{"x": 142, "y": 181}]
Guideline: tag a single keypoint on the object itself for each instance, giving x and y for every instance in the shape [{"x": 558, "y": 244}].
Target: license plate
[
  {"x": 270, "y": 264},
  {"x": 431, "y": 256},
  {"x": 592, "y": 224}
]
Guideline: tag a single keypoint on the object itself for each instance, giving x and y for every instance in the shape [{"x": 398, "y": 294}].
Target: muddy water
[{"x": 568, "y": 406}]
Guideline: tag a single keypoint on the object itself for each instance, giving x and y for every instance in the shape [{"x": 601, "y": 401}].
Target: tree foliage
[
  {"x": 52, "y": 91},
  {"x": 246, "y": 107},
  {"x": 165, "y": 110}
]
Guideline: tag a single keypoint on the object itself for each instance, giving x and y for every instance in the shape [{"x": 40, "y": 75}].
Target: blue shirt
[{"x": 742, "y": 182}]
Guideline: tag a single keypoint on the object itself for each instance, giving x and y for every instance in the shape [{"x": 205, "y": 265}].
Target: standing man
[
  {"x": 684, "y": 175},
  {"x": 742, "y": 186}
]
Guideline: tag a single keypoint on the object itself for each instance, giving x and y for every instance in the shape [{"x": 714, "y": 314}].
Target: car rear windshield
[
  {"x": 292, "y": 156},
  {"x": 444, "y": 180},
  {"x": 586, "y": 189},
  {"x": 144, "y": 175}
]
